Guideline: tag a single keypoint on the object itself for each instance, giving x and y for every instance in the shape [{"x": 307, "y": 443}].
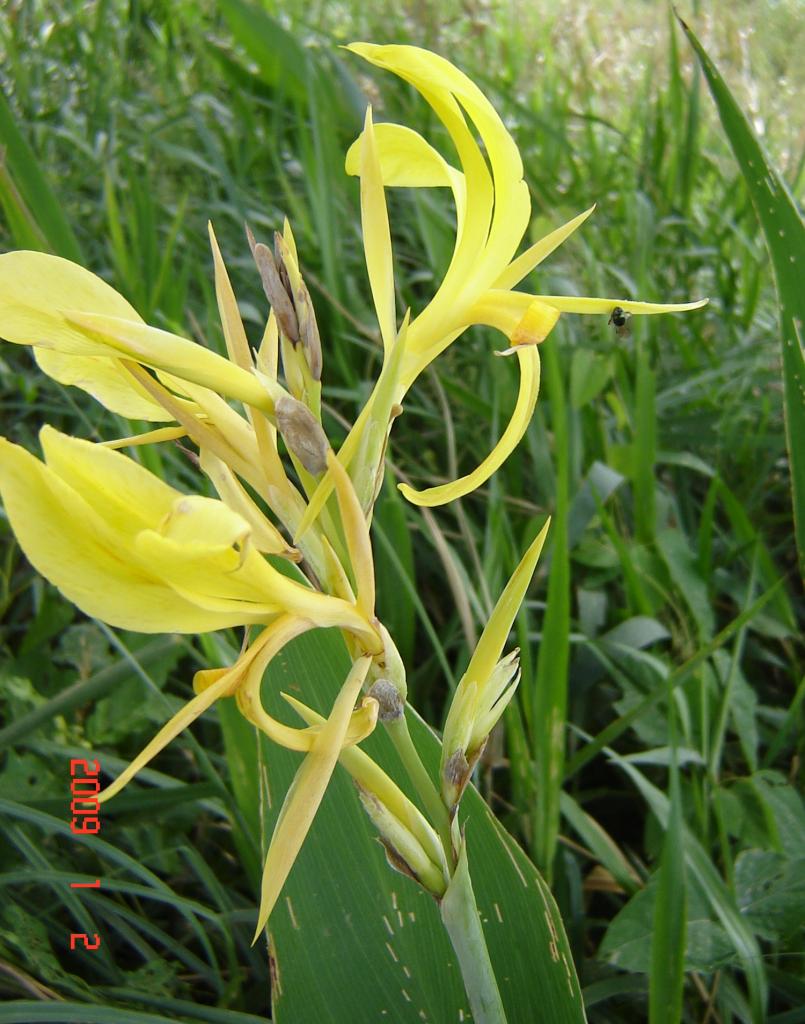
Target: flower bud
[
  {"x": 391, "y": 705},
  {"x": 275, "y": 290},
  {"x": 303, "y": 434}
]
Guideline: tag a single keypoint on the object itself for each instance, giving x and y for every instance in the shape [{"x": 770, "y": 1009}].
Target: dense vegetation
[{"x": 663, "y": 452}]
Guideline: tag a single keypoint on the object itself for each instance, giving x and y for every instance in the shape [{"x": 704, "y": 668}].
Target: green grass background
[{"x": 675, "y": 600}]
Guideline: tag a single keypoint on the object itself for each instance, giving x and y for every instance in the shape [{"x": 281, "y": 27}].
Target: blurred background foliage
[{"x": 675, "y": 609}]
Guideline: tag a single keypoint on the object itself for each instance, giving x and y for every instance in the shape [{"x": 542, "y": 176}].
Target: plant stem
[
  {"x": 463, "y": 924},
  {"x": 423, "y": 783}
]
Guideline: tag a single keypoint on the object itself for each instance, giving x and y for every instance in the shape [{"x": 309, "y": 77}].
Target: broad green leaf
[
  {"x": 785, "y": 237},
  {"x": 352, "y": 940}
]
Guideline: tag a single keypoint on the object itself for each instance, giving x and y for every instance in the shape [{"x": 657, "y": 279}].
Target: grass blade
[{"x": 785, "y": 237}]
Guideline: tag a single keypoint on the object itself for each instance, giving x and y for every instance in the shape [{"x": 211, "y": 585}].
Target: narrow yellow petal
[
  {"x": 237, "y": 344},
  {"x": 523, "y": 411},
  {"x": 356, "y": 530},
  {"x": 180, "y": 721},
  {"x": 573, "y": 304},
  {"x": 535, "y": 254},
  {"x": 371, "y": 777},
  {"x": 149, "y": 437},
  {"x": 496, "y": 632},
  {"x": 376, "y": 235},
  {"x": 306, "y": 793},
  {"x": 165, "y": 351}
]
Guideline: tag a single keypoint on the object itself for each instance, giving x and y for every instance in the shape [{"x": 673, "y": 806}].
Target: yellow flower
[
  {"x": 493, "y": 210},
  {"x": 133, "y": 551}
]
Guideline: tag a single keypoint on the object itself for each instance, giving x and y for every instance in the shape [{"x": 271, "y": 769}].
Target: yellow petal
[
  {"x": 264, "y": 535},
  {"x": 376, "y": 235},
  {"x": 180, "y": 721},
  {"x": 406, "y": 159},
  {"x": 371, "y": 777},
  {"x": 523, "y": 411},
  {"x": 35, "y": 289},
  {"x": 356, "y": 530},
  {"x": 306, "y": 793},
  {"x": 126, "y": 495},
  {"x": 536, "y": 253},
  {"x": 209, "y": 684},
  {"x": 149, "y": 437},
  {"x": 496, "y": 632},
  {"x": 70, "y": 544},
  {"x": 165, "y": 351},
  {"x": 469, "y": 695},
  {"x": 105, "y": 379},
  {"x": 572, "y": 304},
  {"x": 237, "y": 344}
]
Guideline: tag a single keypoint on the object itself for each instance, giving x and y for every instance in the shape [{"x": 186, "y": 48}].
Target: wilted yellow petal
[
  {"x": 306, "y": 792},
  {"x": 528, "y": 357},
  {"x": 536, "y": 253},
  {"x": 356, "y": 530},
  {"x": 376, "y": 235},
  {"x": 71, "y": 545}
]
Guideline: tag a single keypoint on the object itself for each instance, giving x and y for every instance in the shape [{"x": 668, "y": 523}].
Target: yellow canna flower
[
  {"x": 493, "y": 210},
  {"x": 133, "y": 551}
]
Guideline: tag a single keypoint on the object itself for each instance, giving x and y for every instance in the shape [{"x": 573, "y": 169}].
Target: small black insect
[{"x": 620, "y": 321}]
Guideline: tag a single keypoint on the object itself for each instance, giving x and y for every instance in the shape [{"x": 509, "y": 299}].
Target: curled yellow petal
[
  {"x": 376, "y": 235},
  {"x": 306, "y": 792},
  {"x": 210, "y": 685},
  {"x": 371, "y": 777},
  {"x": 528, "y": 357},
  {"x": 406, "y": 160}
]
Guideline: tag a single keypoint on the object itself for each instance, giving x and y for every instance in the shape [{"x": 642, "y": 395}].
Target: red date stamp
[{"x": 84, "y": 807}]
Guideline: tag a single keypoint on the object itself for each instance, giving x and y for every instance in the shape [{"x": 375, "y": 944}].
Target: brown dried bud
[
  {"x": 303, "y": 434},
  {"x": 300, "y": 296},
  {"x": 392, "y": 706},
  {"x": 457, "y": 769},
  {"x": 276, "y": 292}
]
